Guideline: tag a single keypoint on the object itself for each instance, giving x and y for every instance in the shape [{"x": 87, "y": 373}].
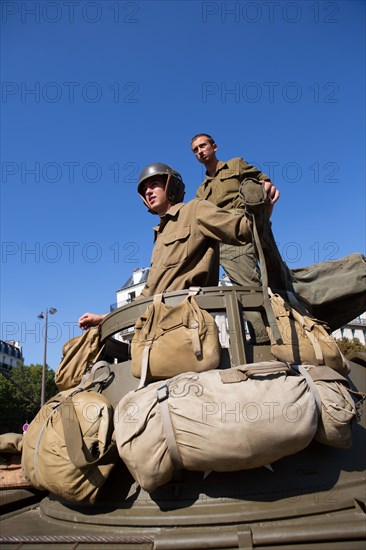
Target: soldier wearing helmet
[
  {"x": 186, "y": 249},
  {"x": 172, "y": 187}
]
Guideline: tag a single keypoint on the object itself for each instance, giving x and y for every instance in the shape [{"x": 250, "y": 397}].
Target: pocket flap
[{"x": 180, "y": 235}]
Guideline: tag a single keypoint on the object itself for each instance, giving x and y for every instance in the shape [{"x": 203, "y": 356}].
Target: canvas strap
[
  {"x": 100, "y": 373},
  {"x": 162, "y": 395},
  {"x": 266, "y": 301},
  {"x": 76, "y": 448},
  {"x": 242, "y": 373},
  {"x": 303, "y": 371},
  {"x": 145, "y": 363}
]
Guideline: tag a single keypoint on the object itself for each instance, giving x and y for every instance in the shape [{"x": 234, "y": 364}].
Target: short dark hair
[{"x": 210, "y": 138}]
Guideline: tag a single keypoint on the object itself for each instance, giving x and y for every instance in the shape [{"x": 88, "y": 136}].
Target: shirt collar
[
  {"x": 220, "y": 166},
  {"x": 171, "y": 214}
]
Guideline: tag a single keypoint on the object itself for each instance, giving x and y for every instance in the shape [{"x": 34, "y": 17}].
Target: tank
[{"x": 313, "y": 499}]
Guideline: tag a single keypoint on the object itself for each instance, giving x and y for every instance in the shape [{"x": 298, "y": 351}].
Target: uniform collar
[
  {"x": 220, "y": 166},
  {"x": 171, "y": 214}
]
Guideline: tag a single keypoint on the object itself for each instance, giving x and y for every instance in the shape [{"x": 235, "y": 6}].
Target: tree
[
  {"x": 348, "y": 347},
  {"x": 21, "y": 399}
]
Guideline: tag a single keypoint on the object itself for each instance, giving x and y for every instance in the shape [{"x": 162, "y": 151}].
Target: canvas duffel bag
[
  {"x": 11, "y": 443},
  {"x": 78, "y": 356},
  {"x": 222, "y": 420},
  {"x": 303, "y": 339},
  {"x": 335, "y": 289},
  {"x": 170, "y": 340},
  {"x": 338, "y": 410},
  {"x": 69, "y": 449}
]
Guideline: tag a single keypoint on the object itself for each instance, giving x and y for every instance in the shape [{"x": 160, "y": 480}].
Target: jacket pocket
[
  {"x": 230, "y": 182},
  {"x": 176, "y": 247}
]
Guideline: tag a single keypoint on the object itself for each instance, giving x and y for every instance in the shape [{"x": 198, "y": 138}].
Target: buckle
[{"x": 162, "y": 393}]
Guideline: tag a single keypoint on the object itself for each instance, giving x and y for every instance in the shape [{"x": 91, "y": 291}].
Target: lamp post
[{"x": 50, "y": 311}]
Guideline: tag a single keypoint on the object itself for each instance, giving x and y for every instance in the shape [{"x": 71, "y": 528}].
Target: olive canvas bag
[
  {"x": 78, "y": 356},
  {"x": 169, "y": 340},
  {"x": 339, "y": 405},
  {"x": 69, "y": 448},
  {"x": 303, "y": 339},
  {"x": 296, "y": 336}
]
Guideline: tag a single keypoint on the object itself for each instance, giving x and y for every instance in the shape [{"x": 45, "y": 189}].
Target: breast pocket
[
  {"x": 230, "y": 182},
  {"x": 176, "y": 247}
]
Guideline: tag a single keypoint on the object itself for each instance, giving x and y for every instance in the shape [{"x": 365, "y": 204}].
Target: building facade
[{"x": 10, "y": 355}]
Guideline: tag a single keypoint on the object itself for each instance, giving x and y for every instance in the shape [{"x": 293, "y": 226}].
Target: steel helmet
[{"x": 174, "y": 188}]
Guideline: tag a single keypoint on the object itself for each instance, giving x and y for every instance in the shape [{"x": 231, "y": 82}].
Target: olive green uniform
[
  {"x": 239, "y": 262},
  {"x": 186, "y": 246}
]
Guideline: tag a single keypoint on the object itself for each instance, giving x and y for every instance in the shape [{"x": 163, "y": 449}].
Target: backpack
[
  {"x": 69, "y": 449},
  {"x": 78, "y": 356},
  {"x": 169, "y": 340}
]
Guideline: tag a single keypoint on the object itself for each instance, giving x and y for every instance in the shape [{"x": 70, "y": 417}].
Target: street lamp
[{"x": 51, "y": 311}]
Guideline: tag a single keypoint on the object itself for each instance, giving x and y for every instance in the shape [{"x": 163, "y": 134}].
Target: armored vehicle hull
[{"x": 314, "y": 499}]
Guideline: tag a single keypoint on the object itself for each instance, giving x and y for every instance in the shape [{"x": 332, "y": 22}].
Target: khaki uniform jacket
[
  {"x": 186, "y": 246},
  {"x": 223, "y": 188}
]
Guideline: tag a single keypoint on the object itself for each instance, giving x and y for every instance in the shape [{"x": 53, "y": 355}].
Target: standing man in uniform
[
  {"x": 221, "y": 187},
  {"x": 187, "y": 238}
]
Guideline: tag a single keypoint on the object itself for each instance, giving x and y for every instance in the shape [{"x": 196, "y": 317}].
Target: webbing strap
[
  {"x": 145, "y": 363},
  {"x": 196, "y": 342},
  {"x": 93, "y": 377},
  {"x": 295, "y": 303},
  {"x": 311, "y": 384},
  {"x": 317, "y": 349},
  {"x": 36, "y": 451},
  {"x": 163, "y": 394},
  {"x": 266, "y": 301},
  {"x": 300, "y": 311},
  {"x": 74, "y": 437}
]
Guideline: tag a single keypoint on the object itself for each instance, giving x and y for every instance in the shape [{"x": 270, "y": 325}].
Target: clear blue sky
[{"x": 93, "y": 91}]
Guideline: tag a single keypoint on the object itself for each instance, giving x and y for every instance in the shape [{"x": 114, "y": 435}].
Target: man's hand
[
  {"x": 273, "y": 195},
  {"x": 89, "y": 320}
]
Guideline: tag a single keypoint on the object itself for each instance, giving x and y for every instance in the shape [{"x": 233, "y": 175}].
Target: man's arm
[
  {"x": 88, "y": 320},
  {"x": 249, "y": 171},
  {"x": 217, "y": 223}
]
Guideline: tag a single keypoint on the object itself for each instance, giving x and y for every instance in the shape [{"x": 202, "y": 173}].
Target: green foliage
[
  {"x": 20, "y": 400},
  {"x": 348, "y": 347}
]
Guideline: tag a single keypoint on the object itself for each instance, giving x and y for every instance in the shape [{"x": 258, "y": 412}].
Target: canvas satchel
[
  {"x": 303, "y": 339},
  {"x": 69, "y": 447},
  {"x": 222, "y": 420},
  {"x": 78, "y": 356},
  {"x": 170, "y": 340}
]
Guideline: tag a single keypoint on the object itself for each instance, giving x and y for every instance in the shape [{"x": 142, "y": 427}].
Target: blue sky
[{"x": 93, "y": 91}]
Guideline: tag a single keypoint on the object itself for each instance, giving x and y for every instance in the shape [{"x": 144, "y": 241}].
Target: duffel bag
[
  {"x": 169, "y": 340},
  {"x": 69, "y": 448},
  {"x": 222, "y": 420}
]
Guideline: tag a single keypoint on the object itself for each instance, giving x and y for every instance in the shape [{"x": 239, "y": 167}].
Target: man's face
[
  {"x": 204, "y": 150},
  {"x": 154, "y": 192}
]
